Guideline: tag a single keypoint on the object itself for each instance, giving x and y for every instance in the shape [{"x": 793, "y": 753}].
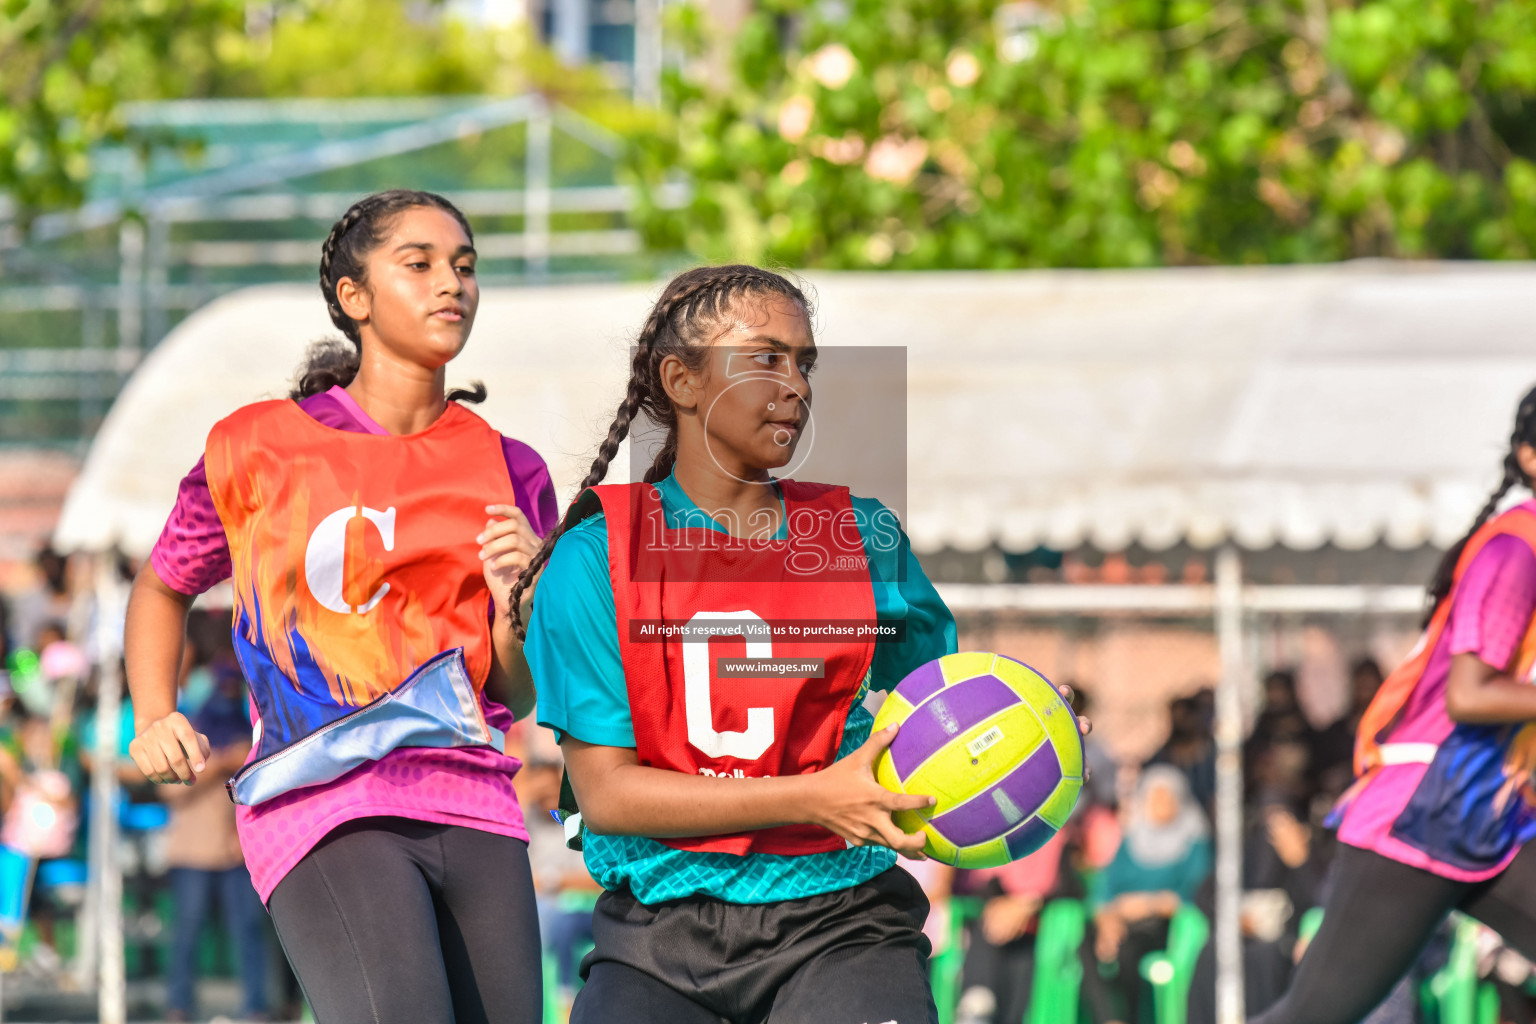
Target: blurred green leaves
[
  {"x": 968, "y": 133},
  {"x": 68, "y": 66}
]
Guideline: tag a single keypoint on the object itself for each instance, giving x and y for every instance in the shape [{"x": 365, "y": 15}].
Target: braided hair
[
  {"x": 684, "y": 319},
  {"x": 1524, "y": 433},
  {"x": 332, "y": 362}
]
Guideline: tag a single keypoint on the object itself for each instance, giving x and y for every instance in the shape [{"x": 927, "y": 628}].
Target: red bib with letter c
[{"x": 809, "y": 591}]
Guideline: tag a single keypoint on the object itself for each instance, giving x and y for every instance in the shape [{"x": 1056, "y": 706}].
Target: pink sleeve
[
  {"x": 531, "y": 485},
  {"x": 1494, "y": 602},
  {"x": 192, "y": 553}
]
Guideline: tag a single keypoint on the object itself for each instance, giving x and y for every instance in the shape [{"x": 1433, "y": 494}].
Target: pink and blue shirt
[{"x": 1490, "y": 616}]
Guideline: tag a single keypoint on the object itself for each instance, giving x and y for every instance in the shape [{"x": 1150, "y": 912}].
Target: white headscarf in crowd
[{"x": 1154, "y": 845}]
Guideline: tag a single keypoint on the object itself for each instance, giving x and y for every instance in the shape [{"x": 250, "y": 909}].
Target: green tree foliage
[
  {"x": 341, "y": 48},
  {"x": 68, "y": 66},
  {"x": 968, "y": 133}
]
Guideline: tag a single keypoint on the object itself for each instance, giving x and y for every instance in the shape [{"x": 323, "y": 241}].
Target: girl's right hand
[
  {"x": 1109, "y": 933},
  {"x": 849, "y": 802},
  {"x": 169, "y": 750}
]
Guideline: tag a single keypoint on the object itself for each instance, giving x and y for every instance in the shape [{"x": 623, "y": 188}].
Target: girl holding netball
[
  {"x": 1440, "y": 813},
  {"x": 746, "y": 851},
  {"x": 374, "y": 529}
]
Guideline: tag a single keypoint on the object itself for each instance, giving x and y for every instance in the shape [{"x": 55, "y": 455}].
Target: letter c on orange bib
[{"x": 326, "y": 561}]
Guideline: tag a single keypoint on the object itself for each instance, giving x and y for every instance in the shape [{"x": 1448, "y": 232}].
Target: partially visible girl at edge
[
  {"x": 1440, "y": 815},
  {"x": 749, "y": 873},
  {"x": 374, "y": 528}
]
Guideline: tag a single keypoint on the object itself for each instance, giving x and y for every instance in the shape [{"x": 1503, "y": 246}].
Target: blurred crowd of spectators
[
  {"x": 1138, "y": 849},
  {"x": 190, "y": 908},
  {"x": 189, "y": 903}
]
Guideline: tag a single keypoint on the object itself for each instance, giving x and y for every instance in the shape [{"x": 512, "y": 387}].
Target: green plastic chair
[
  {"x": 1487, "y": 1003},
  {"x": 1170, "y": 972},
  {"x": 572, "y": 901},
  {"x": 1311, "y": 921},
  {"x": 1454, "y": 994},
  {"x": 944, "y": 968},
  {"x": 552, "y": 1014},
  {"x": 1058, "y": 982}
]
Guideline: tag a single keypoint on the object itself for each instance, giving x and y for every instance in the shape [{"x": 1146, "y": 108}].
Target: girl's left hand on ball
[
  {"x": 507, "y": 545},
  {"x": 1083, "y": 725}
]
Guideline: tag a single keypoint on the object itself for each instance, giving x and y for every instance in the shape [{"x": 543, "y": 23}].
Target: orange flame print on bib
[{"x": 354, "y": 556}]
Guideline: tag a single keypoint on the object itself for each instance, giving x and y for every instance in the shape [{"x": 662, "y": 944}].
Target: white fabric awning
[{"x": 1349, "y": 404}]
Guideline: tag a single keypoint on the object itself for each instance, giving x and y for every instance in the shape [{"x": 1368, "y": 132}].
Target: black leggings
[
  {"x": 390, "y": 919},
  {"x": 1379, "y": 916}
]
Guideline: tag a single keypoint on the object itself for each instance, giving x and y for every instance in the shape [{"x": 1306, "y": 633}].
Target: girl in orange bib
[{"x": 372, "y": 528}]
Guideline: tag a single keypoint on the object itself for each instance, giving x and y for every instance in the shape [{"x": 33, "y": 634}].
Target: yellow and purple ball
[{"x": 995, "y": 743}]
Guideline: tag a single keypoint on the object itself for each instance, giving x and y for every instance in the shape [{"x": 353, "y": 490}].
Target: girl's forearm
[
  {"x": 620, "y": 796},
  {"x": 1479, "y": 694},
  {"x": 1495, "y": 702},
  {"x": 631, "y": 799},
  {"x": 153, "y": 636},
  {"x": 511, "y": 681}
]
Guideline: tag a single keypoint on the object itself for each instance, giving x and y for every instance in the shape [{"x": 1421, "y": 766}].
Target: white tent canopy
[{"x": 1351, "y": 404}]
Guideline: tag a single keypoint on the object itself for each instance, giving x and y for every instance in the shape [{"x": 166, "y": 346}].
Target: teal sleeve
[
  {"x": 1113, "y": 880},
  {"x": 1196, "y": 867},
  {"x": 902, "y": 592},
  {"x": 573, "y": 642},
  {"x": 1125, "y": 875}
]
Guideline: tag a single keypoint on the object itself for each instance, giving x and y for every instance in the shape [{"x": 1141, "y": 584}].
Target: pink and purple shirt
[
  {"x": 451, "y": 786},
  {"x": 1490, "y": 615}
]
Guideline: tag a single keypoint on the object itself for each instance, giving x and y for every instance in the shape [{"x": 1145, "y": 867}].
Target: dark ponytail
[
  {"x": 333, "y": 363},
  {"x": 679, "y": 324},
  {"x": 1524, "y": 433}
]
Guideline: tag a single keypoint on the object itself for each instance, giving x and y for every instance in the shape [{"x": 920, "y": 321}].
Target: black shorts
[{"x": 855, "y": 956}]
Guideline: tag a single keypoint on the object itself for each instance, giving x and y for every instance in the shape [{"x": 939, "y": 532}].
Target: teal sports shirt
[{"x": 573, "y": 650}]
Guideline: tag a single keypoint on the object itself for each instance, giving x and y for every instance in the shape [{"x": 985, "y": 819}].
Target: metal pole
[
  {"x": 571, "y": 31},
  {"x": 156, "y": 279},
  {"x": 130, "y": 285},
  {"x": 536, "y": 200},
  {"x": 648, "y": 52},
  {"x": 87, "y": 930},
  {"x": 93, "y": 334},
  {"x": 111, "y": 994},
  {"x": 1229, "y": 788}
]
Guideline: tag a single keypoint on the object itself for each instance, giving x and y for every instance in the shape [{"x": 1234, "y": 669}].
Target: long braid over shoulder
[
  {"x": 1524, "y": 433},
  {"x": 344, "y": 254},
  {"x": 687, "y": 316}
]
